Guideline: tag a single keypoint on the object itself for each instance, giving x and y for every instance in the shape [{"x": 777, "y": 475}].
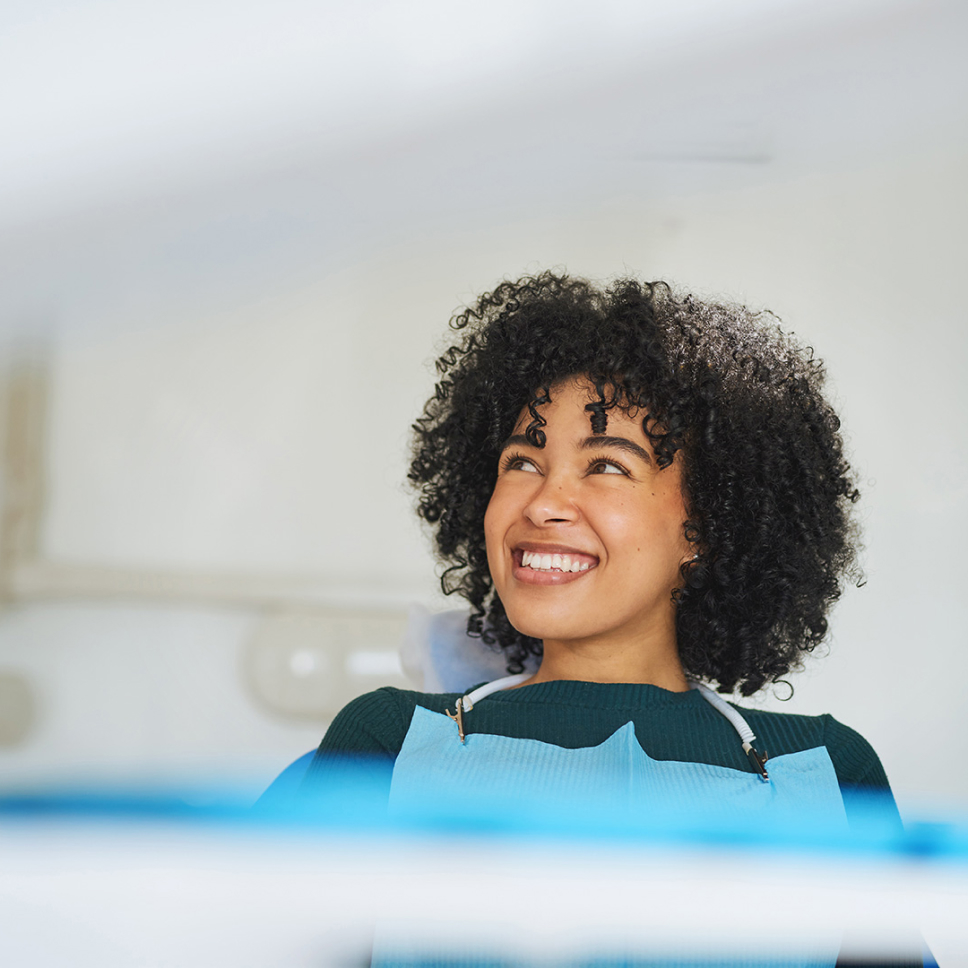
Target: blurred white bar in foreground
[{"x": 108, "y": 893}]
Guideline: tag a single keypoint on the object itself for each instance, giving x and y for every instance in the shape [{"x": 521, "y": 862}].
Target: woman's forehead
[{"x": 568, "y": 401}]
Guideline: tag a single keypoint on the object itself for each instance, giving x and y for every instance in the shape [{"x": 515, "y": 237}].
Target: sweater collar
[{"x": 602, "y": 695}]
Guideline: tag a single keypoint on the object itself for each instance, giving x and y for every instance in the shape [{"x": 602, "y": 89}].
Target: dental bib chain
[
  {"x": 466, "y": 703},
  {"x": 747, "y": 738}
]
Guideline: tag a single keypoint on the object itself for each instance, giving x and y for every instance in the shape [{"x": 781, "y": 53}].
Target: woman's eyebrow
[
  {"x": 590, "y": 443},
  {"x": 516, "y": 440},
  {"x": 620, "y": 443}
]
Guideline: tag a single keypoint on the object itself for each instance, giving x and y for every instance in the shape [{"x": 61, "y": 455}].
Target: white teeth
[{"x": 559, "y": 562}]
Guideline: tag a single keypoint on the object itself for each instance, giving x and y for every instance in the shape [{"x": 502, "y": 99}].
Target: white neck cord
[
  {"x": 466, "y": 703},
  {"x": 721, "y": 706},
  {"x": 481, "y": 692},
  {"x": 739, "y": 724}
]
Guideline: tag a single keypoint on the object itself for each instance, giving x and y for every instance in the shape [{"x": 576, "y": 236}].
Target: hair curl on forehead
[
  {"x": 767, "y": 485},
  {"x": 609, "y": 392}
]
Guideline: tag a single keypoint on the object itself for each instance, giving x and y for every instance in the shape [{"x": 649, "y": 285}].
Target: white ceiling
[{"x": 218, "y": 140}]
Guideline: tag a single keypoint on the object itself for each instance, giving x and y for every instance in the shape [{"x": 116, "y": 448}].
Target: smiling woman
[
  {"x": 585, "y": 544},
  {"x": 648, "y": 494},
  {"x": 731, "y": 415}
]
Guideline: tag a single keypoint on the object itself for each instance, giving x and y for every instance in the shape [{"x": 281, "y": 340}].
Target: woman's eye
[
  {"x": 520, "y": 464},
  {"x": 607, "y": 467}
]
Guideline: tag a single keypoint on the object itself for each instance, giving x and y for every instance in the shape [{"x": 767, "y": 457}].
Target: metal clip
[
  {"x": 458, "y": 717},
  {"x": 759, "y": 763}
]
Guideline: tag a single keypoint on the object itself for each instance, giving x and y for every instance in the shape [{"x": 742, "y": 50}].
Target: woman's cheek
[{"x": 492, "y": 542}]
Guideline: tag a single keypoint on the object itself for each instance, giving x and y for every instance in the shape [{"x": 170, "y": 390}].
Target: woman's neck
[{"x": 609, "y": 662}]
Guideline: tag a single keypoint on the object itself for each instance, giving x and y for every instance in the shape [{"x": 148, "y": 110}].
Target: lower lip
[{"x": 531, "y": 577}]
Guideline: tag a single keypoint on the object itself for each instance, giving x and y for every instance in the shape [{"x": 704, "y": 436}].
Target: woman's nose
[{"x": 552, "y": 503}]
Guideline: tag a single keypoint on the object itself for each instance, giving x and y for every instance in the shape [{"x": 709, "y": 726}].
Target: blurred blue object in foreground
[
  {"x": 353, "y": 800},
  {"x": 197, "y": 877}
]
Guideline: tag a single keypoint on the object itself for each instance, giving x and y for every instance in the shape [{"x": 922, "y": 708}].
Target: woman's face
[{"x": 585, "y": 535}]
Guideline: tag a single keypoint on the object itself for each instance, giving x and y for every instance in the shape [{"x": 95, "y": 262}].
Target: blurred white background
[{"x": 232, "y": 236}]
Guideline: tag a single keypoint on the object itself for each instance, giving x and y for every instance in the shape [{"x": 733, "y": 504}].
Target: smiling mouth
[
  {"x": 550, "y": 565},
  {"x": 554, "y": 562}
]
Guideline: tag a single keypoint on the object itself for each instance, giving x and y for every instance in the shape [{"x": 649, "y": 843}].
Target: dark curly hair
[{"x": 767, "y": 487}]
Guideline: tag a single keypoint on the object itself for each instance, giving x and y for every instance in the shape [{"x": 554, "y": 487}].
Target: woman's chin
[{"x": 556, "y": 628}]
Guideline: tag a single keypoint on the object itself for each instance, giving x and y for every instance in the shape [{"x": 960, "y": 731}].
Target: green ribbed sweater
[{"x": 669, "y": 725}]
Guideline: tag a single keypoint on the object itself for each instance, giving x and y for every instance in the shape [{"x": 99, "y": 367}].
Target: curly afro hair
[{"x": 766, "y": 484}]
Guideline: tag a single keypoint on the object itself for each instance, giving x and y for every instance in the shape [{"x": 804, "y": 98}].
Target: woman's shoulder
[
  {"x": 377, "y": 721},
  {"x": 854, "y": 759}
]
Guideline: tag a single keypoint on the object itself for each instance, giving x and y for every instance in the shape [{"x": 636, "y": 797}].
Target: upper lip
[{"x": 551, "y": 549}]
